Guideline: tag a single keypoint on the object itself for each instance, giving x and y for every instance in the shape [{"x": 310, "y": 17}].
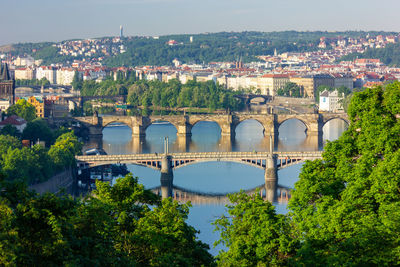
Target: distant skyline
[{"x": 55, "y": 20}]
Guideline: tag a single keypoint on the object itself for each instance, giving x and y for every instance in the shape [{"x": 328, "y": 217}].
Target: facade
[
  {"x": 58, "y": 106},
  {"x": 14, "y": 120},
  {"x": 4, "y": 104},
  {"x": 24, "y": 74},
  {"x": 269, "y": 84},
  {"x": 330, "y": 101},
  {"x": 306, "y": 83},
  {"x": 65, "y": 76},
  {"x": 343, "y": 80},
  {"x": 41, "y": 105},
  {"x": 47, "y": 72},
  {"x": 7, "y": 84},
  {"x": 310, "y": 83}
]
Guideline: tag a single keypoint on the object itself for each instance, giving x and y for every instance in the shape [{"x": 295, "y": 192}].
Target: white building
[
  {"x": 4, "y": 104},
  {"x": 330, "y": 101},
  {"x": 24, "y": 74},
  {"x": 65, "y": 76},
  {"x": 47, "y": 72}
]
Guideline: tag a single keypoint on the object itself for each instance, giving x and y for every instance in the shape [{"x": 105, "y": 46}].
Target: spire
[{"x": 5, "y": 76}]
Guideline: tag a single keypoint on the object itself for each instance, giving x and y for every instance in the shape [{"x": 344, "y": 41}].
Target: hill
[{"x": 390, "y": 55}]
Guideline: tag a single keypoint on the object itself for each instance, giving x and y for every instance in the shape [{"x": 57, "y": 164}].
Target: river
[{"x": 217, "y": 177}]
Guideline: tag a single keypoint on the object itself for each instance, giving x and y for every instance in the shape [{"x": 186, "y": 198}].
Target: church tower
[{"x": 7, "y": 84}]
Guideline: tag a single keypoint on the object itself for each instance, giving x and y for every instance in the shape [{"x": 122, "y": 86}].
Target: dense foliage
[
  {"x": 344, "y": 210},
  {"x": 254, "y": 233},
  {"x": 37, "y": 164},
  {"x": 290, "y": 89},
  {"x": 23, "y": 109},
  {"x": 208, "y": 47},
  {"x": 120, "y": 225},
  {"x": 34, "y": 82},
  {"x": 390, "y": 55},
  {"x": 172, "y": 94}
]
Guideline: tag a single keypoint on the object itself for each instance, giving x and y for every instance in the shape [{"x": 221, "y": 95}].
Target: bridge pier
[
  {"x": 183, "y": 142},
  {"x": 167, "y": 177},
  {"x": 271, "y": 173},
  {"x": 271, "y": 190},
  {"x": 184, "y": 129}
]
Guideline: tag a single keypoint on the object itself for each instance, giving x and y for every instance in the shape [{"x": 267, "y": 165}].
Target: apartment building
[
  {"x": 24, "y": 73},
  {"x": 47, "y": 72},
  {"x": 65, "y": 76}
]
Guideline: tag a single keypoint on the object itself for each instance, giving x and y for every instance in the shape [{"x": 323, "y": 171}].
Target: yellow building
[{"x": 40, "y": 105}]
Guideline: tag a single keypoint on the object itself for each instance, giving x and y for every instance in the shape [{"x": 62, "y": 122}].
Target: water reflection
[
  {"x": 206, "y": 137},
  {"x": 215, "y": 179}
]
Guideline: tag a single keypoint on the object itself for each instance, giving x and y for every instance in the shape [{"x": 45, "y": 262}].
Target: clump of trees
[
  {"x": 344, "y": 209},
  {"x": 37, "y": 163},
  {"x": 290, "y": 89},
  {"x": 34, "y": 82},
  {"x": 23, "y": 109},
  {"x": 120, "y": 225},
  {"x": 172, "y": 94}
]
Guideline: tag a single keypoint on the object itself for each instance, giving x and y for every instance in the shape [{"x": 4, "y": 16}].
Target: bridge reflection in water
[
  {"x": 270, "y": 191},
  {"x": 166, "y": 162}
]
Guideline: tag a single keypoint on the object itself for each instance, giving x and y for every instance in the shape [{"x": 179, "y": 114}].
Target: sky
[{"x": 57, "y": 20}]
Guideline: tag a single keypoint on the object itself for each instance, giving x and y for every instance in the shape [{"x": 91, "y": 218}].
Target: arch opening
[
  {"x": 205, "y": 135},
  {"x": 155, "y": 134},
  {"x": 249, "y": 136},
  {"x": 116, "y": 136},
  {"x": 334, "y": 128},
  {"x": 292, "y": 133}
]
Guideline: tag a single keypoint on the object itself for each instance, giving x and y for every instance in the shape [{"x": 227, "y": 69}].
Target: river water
[{"x": 217, "y": 177}]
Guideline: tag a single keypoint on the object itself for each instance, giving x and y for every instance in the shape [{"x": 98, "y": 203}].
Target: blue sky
[{"x": 55, "y": 20}]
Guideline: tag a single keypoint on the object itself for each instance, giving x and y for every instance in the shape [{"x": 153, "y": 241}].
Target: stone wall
[{"x": 61, "y": 180}]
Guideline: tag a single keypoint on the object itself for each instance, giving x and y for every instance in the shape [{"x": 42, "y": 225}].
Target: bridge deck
[
  {"x": 196, "y": 156},
  {"x": 200, "y": 155}
]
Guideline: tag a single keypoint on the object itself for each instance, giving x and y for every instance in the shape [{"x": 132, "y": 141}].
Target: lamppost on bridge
[{"x": 166, "y": 145}]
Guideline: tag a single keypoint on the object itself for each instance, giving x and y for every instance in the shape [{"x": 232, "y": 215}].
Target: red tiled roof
[{"x": 13, "y": 120}]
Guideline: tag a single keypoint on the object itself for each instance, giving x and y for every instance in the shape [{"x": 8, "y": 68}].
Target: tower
[
  {"x": 121, "y": 32},
  {"x": 7, "y": 84}
]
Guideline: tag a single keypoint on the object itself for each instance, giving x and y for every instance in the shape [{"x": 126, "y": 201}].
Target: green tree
[
  {"x": 22, "y": 109},
  {"x": 64, "y": 150},
  {"x": 10, "y": 130},
  {"x": 38, "y": 130},
  {"x": 290, "y": 89},
  {"x": 254, "y": 234},
  {"x": 22, "y": 164},
  {"x": 345, "y": 208},
  {"x": 7, "y": 141}
]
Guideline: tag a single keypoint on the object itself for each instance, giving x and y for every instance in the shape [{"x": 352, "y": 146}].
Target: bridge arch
[
  {"x": 241, "y": 120},
  {"x": 158, "y": 122},
  {"x": 336, "y": 118},
  {"x": 306, "y": 124},
  {"x": 107, "y": 121},
  {"x": 196, "y": 123}
]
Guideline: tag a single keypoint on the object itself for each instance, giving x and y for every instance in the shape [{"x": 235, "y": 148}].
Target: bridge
[
  {"x": 270, "y": 161},
  {"x": 313, "y": 122},
  {"x": 178, "y": 160}
]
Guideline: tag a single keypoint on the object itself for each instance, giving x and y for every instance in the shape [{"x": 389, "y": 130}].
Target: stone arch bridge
[{"x": 227, "y": 123}]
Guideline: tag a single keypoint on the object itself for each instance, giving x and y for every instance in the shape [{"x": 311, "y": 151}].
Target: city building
[
  {"x": 27, "y": 73},
  {"x": 14, "y": 120},
  {"x": 65, "y": 76},
  {"x": 41, "y": 105},
  {"x": 7, "y": 85},
  {"x": 47, "y": 72},
  {"x": 330, "y": 101}
]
